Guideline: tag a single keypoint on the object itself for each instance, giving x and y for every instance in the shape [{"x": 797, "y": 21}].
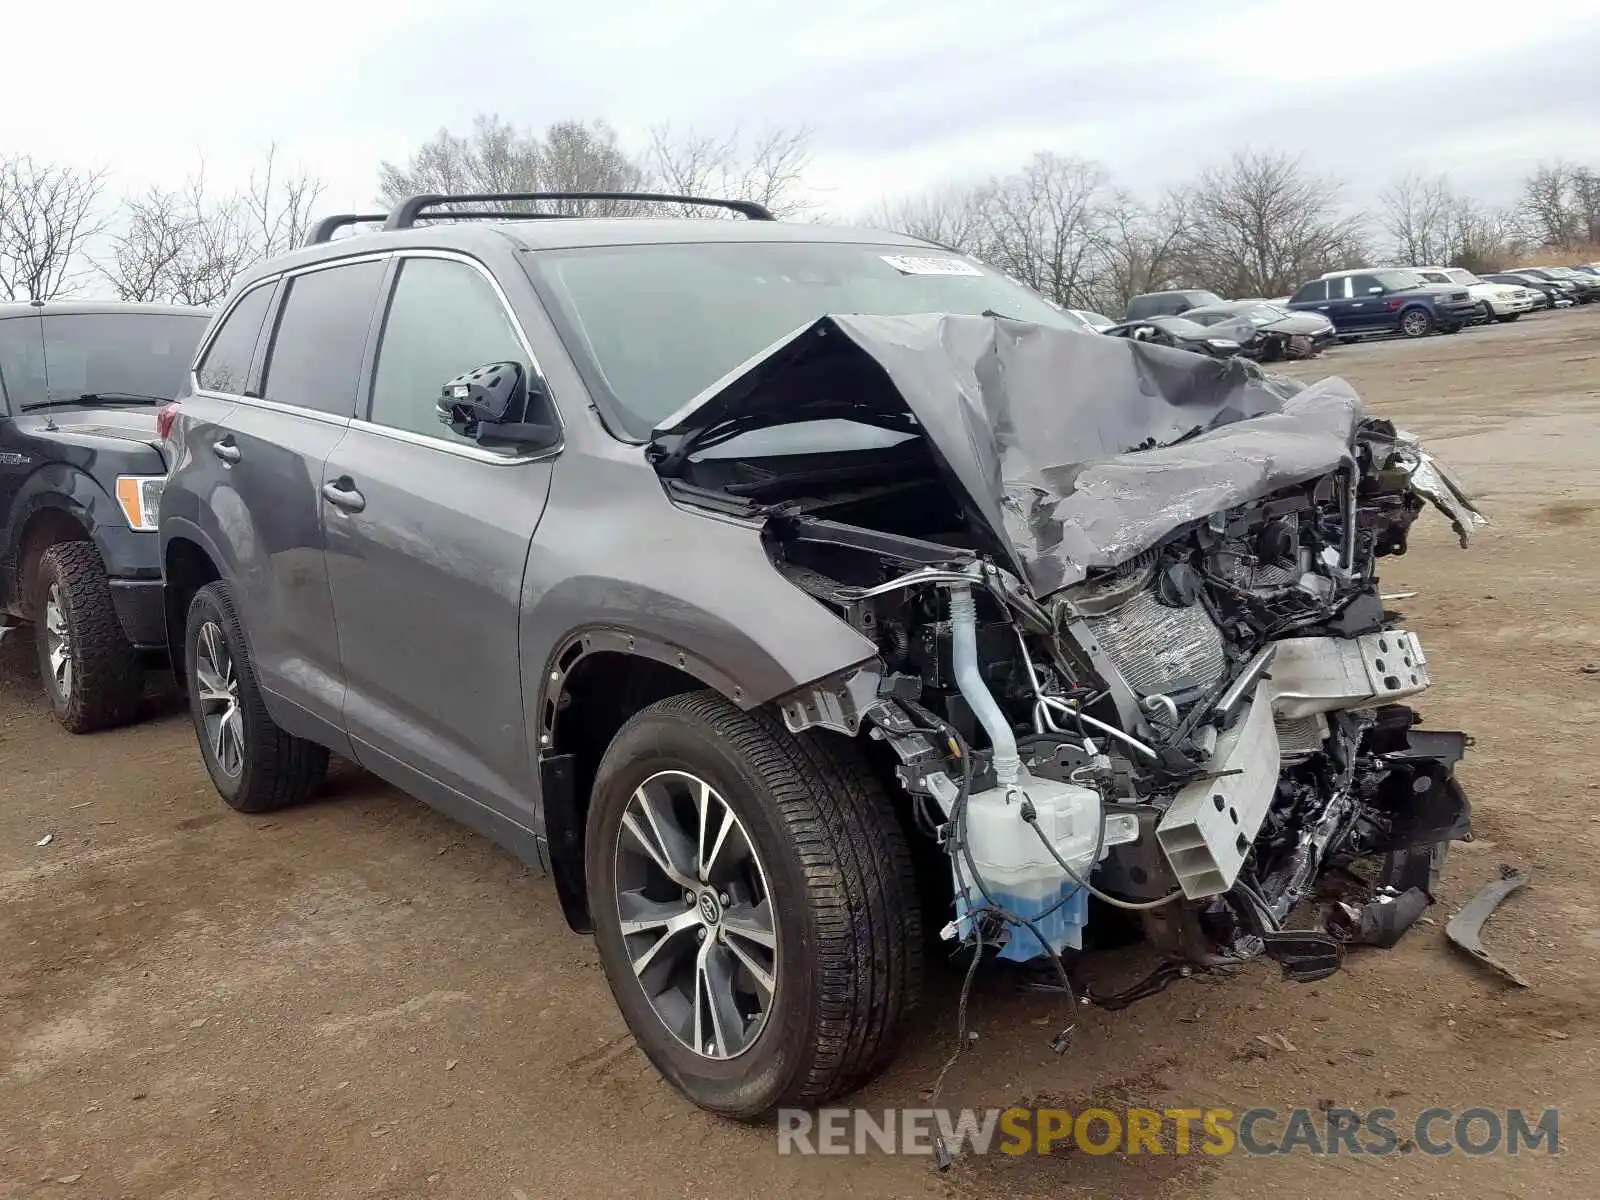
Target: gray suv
[{"x": 783, "y": 591}]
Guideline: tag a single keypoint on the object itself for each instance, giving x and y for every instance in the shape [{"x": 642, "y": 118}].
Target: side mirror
[
  {"x": 1374, "y": 291},
  {"x": 495, "y": 406}
]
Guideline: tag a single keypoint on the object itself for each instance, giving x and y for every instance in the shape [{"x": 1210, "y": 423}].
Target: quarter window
[
  {"x": 444, "y": 319},
  {"x": 322, "y": 336},
  {"x": 226, "y": 366}
]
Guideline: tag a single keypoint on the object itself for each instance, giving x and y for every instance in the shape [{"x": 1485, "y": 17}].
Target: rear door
[
  {"x": 272, "y": 447},
  {"x": 1313, "y": 297},
  {"x": 428, "y": 537}
]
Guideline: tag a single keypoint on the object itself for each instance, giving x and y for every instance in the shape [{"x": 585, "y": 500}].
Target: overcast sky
[{"x": 901, "y": 95}]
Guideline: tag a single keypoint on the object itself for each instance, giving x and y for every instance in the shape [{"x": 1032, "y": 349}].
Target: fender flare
[
  {"x": 59, "y": 487},
  {"x": 588, "y": 640}
]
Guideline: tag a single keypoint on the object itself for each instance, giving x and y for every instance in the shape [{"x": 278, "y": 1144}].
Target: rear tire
[
  {"x": 91, "y": 673},
  {"x": 255, "y": 766},
  {"x": 833, "y": 884}
]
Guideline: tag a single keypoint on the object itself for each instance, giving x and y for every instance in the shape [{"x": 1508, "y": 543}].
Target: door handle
[
  {"x": 341, "y": 493},
  {"x": 1322, "y": 308},
  {"x": 226, "y": 451}
]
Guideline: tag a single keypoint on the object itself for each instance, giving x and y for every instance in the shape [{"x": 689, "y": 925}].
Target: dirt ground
[{"x": 358, "y": 999}]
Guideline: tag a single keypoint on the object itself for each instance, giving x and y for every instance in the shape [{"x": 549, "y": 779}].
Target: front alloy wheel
[
  {"x": 753, "y": 902},
  {"x": 695, "y": 914}
]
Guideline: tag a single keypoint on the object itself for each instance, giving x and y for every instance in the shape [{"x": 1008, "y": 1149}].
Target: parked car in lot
[
  {"x": 1547, "y": 293},
  {"x": 1280, "y": 333},
  {"x": 1384, "y": 301},
  {"x": 1098, "y": 322},
  {"x": 1223, "y": 340},
  {"x": 603, "y": 537},
  {"x": 1584, "y": 289},
  {"x": 1501, "y": 302},
  {"x": 81, "y": 472},
  {"x": 1168, "y": 304}
]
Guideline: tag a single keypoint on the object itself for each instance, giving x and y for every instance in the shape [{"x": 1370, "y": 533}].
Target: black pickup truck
[{"x": 81, "y": 472}]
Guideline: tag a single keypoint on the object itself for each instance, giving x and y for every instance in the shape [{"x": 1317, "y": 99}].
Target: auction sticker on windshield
[{"x": 913, "y": 264}]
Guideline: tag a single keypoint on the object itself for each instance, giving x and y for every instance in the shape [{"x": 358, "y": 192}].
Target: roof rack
[
  {"x": 324, "y": 229},
  {"x": 405, "y": 216}
]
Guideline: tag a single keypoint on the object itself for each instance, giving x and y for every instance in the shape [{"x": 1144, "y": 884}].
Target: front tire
[
  {"x": 1416, "y": 323},
  {"x": 753, "y": 903},
  {"x": 255, "y": 766},
  {"x": 91, "y": 674},
  {"x": 1508, "y": 318}
]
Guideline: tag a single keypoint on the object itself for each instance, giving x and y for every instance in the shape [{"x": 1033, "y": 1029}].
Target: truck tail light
[{"x": 165, "y": 419}]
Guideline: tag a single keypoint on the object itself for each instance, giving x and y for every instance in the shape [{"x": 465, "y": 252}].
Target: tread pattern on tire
[
  {"x": 281, "y": 769},
  {"x": 857, "y": 867},
  {"x": 107, "y": 677}
]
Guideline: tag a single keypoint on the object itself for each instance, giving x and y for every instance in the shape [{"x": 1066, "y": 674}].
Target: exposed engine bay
[{"x": 1197, "y": 732}]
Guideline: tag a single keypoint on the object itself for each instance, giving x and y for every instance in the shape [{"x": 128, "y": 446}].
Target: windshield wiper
[{"x": 100, "y": 398}]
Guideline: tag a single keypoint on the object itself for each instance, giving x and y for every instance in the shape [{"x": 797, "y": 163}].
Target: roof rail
[
  {"x": 405, "y": 216},
  {"x": 324, "y": 229}
]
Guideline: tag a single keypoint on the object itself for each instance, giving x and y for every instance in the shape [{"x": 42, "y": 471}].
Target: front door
[{"x": 428, "y": 535}]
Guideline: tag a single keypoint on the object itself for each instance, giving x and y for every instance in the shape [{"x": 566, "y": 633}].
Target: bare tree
[
  {"x": 1545, "y": 207},
  {"x": 47, "y": 215},
  {"x": 1141, "y": 248},
  {"x": 955, "y": 215},
  {"x": 497, "y": 157},
  {"x": 277, "y": 206},
  {"x": 1418, "y": 213},
  {"x": 1262, "y": 222},
  {"x": 189, "y": 245},
  {"x": 768, "y": 167},
  {"x": 1046, "y": 225}
]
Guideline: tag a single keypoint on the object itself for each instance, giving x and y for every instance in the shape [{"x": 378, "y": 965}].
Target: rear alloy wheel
[
  {"x": 90, "y": 672},
  {"x": 254, "y": 765},
  {"x": 753, "y": 904},
  {"x": 1416, "y": 322}
]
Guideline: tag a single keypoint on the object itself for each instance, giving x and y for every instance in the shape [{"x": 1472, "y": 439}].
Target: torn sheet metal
[
  {"x": 1076, "y": 451},
  {"x": 1465, "y": 928}
]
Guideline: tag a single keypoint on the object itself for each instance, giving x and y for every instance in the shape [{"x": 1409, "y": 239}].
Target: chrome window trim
[
  {"x": 461, "y": 449},
  {"x": 205, "y": 346}
]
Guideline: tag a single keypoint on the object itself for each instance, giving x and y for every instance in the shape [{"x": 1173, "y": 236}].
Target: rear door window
[
  {"x": 226, "y": 365},
  {"x": 1317, "y": 289},
  {"x": 321, "y": 338},
  {"x": 444, "y": 319}
]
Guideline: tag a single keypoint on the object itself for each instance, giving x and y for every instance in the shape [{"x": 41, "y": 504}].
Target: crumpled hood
[{"x": 1075, "y": 450}]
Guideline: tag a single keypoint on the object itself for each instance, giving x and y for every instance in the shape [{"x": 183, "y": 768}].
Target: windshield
[
  {"x": 1434, "y": 276},
  {"x": 120, "y": 355},
  {"x": 654, "y": 325},
  {"x": 1399, "y": 281},
  {"x": 1465, "y": 278}
]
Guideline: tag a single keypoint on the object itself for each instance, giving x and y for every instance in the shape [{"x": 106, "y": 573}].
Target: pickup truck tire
[
  {"x": 816, "y": 863},
  {"x": 255, "y": 766},
  {"x": 1416, "y": 322},
  {"x": 90, "y": 672}
]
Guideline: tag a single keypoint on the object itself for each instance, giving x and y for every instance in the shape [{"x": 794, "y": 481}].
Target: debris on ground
[{"x": 1465, "y": 928}]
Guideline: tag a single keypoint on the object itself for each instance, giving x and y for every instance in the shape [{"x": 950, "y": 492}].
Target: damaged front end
[{"x": 1132, "y": 652}]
